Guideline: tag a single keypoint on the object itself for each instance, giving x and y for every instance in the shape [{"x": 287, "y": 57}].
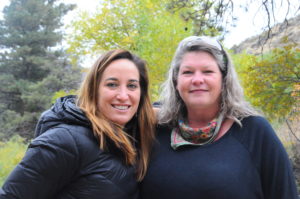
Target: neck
[{"x": 201, "y": 117}]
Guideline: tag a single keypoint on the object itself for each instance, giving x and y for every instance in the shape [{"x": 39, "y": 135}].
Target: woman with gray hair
[{"x": 211, "y": 144}]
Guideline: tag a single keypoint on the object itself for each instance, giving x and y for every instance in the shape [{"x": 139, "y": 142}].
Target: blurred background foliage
[
  {"x": 11, "y": 153},
  {"x": 36, "y": 68},
  {"x": 34, "y": 65}
]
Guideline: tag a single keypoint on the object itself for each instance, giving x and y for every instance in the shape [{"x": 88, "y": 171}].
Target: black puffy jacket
[{"x": 65, "y": 161}]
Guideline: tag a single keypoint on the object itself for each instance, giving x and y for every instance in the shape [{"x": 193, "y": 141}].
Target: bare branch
[{"x": 291, "y": 130}]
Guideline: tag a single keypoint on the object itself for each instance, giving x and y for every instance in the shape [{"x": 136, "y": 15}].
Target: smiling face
[
  {"x": 119, "y": 91},
  {"x": 199, "y": 81}
]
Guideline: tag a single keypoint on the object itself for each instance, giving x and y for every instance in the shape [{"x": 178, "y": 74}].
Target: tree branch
[{"x": 291, "y": 130}]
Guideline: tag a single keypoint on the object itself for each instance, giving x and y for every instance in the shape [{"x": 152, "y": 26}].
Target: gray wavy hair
[{"x": 233, "y": 104}]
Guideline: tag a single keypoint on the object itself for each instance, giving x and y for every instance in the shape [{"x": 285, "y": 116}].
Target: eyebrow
[
  {"x": 115, "y": 79},
  {"x": 186, "y": 66},
  {"x": 189, "y": 67},
  {"x": 133, "y": 80}
]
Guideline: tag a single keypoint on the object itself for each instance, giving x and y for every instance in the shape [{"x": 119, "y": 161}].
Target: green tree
[
  {"x": 208, "y": 17},
  {"x": 144, "y": 27},
  {"x": 153, "y": 28},
  {"x": 272, "y": 82},
  {"x": 33, "y": 67},
  {"x": 149, "y": 28}
]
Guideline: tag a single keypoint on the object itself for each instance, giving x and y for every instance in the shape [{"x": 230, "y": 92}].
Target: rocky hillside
[{"x": 258, "y": 44}]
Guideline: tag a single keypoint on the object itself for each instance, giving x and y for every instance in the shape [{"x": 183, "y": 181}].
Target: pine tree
[{"x": 33, "y": 66}]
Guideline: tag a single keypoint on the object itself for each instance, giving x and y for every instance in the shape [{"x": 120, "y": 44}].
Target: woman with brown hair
[{"x": 95, "y": 145}]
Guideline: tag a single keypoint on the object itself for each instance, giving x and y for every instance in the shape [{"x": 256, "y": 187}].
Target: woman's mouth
[{"x": 121, "y": 107}]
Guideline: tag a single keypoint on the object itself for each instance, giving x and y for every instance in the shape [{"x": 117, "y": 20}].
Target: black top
[
  {"x": 246, "y": 163},
  {"x": 65, "y": 162}
]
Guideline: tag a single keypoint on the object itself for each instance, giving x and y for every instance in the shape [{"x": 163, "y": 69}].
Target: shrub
[{"x": 11, "y": 153}]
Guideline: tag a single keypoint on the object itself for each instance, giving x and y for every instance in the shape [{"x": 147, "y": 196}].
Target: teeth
[{"x": 121, "y": 107}]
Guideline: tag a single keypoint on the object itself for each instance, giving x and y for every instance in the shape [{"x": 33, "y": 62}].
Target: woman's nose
[
  {"x": 197, "y": 78},
  {"x": 122, "y": 94}
]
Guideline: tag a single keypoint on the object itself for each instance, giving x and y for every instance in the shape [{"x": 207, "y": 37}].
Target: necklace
[{"x": 186, "y": 135}]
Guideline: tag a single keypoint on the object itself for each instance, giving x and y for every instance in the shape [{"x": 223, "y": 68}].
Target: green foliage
[
  {"x": 272, "y": 82},
  {"x": 208, "y": 17},
  {"x": 62, "y": 93},
  {"x": 11, "y": 153},
  {"x": 28, "y": 30},
  {"x": 243, "y": 61},
  {"x": 150, "y": 28},
  {"x": 13, "y": 123},
  {"x": 32, "y": 67}
]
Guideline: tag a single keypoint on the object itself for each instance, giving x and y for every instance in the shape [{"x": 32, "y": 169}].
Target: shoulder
[
  {"x": 256, "y": 133},
  {"x": 66, "y": 138},
  {"x": 256, "y": 122},
  {"x": 269, "y": 157},
  {"x": 255, "y": 126},
  {"x": 258, "y": 137}
]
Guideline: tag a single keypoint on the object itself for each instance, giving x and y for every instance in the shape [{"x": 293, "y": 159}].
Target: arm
[
  {"x": 47, "y": 166},
  {"x": 277, "y": 177}
]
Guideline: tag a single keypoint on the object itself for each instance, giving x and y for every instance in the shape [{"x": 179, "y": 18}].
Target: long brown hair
[{"x": 142, "y": 124}]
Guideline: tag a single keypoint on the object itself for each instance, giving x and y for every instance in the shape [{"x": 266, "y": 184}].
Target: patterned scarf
[{"x": 186, "y": 135}]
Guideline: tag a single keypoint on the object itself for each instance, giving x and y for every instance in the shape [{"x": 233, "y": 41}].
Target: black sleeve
[
  {"x": 48, "y": 165},
  {"x": 277, "y": 177}
]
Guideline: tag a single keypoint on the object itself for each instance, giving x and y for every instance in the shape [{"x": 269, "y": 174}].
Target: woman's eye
[
  {"x": 132, "y": 86},
  {"x": 208, "y": 71},
  {"x": 187, "y": 72},
  {"x": 111, "y": 85}
]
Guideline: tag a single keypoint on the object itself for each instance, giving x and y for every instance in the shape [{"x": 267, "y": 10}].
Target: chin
[
  {"x": 199, "y": 105},
  {"x": 121, "y": 122}
]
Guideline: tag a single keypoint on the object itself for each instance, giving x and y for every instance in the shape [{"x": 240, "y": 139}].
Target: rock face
[{"x": 258, "y": 44}]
